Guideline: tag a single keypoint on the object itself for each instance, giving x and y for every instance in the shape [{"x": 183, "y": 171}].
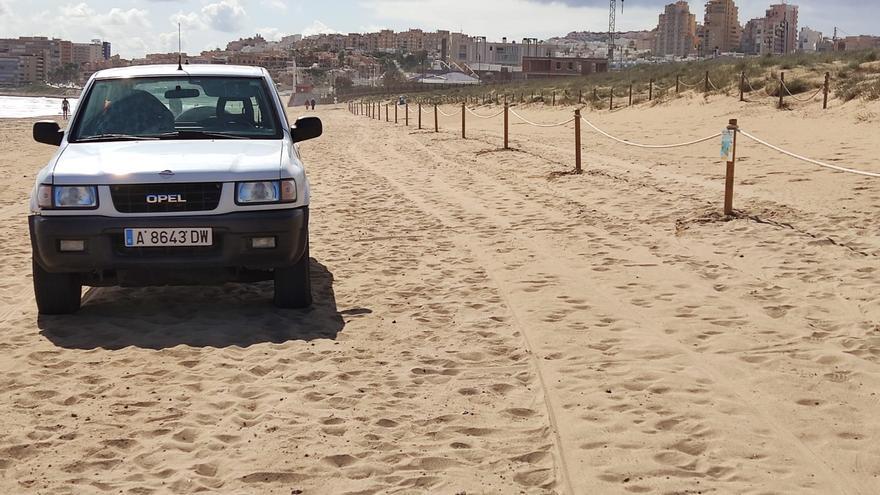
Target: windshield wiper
[
  {"x": 197, "y": 134},
  {"x": 114, "y": 137}
]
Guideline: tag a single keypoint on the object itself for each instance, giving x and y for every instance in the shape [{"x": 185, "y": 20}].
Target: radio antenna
[{"x": 179, "y": 49}]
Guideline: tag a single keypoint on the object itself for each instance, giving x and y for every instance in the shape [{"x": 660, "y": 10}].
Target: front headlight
[
  {"x": 67, "y": 196},
  {"x": 262, "y": 192}
]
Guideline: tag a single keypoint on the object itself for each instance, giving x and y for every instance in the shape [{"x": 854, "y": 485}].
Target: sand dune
[{"x": 483, "y": 325}]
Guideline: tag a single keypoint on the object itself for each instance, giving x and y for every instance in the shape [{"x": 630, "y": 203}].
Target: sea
[{"x": 20, "y": 107}]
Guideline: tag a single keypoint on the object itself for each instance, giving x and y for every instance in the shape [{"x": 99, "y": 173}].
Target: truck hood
[{"x": 131, "y": 162}]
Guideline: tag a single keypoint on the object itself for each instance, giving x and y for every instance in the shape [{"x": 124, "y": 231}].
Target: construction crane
[{"x": 612, "y": 28}]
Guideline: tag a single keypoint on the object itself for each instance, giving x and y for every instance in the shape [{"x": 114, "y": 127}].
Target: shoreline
[{"x": 31, "y": 94}]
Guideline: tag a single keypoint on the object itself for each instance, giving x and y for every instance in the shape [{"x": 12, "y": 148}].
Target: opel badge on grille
[{"x": 166, "y": 173}]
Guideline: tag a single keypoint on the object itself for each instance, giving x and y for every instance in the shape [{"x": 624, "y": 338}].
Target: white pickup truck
[{"x": 172, "y": 175}]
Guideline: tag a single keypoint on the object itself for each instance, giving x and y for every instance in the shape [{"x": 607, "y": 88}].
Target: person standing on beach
[
  {"x": 313, "y": 103},
  {"x": 65, "y": 108}
]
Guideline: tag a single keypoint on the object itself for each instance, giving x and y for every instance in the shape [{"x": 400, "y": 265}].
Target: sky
[{"x": 136, "y": 27}]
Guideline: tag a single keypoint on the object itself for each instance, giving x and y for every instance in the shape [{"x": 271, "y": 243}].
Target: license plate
[{"x": 168, "y": 237}]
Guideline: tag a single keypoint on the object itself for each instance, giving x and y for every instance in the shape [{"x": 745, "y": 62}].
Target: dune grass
[{"x": 853, "y": 75}]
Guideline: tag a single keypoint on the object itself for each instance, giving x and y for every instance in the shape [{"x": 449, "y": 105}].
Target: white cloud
[
  {"x": 274, "y": 4},
  {"x": 317, "y": 27},
  {"x": 226, "y": 16},
  {"x": 127, "y": 29},
  {"x": 271, "y": 33},
  {"x": 510, "y": 18},
  {"x": 190, "y": 21}
]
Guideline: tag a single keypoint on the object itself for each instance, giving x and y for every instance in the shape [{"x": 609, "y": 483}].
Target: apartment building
[
  {"x": 721, "y": 28},
  {"x": 752, "y": 41},
  {"x": 20, "y": 70},
  {"x": 781, "y": 32},
  {"x": 85, "y": 53},
  {"x": 676, "y": 31},
  {"x": 809, "y": 40},
  {"x": 855, "y": 43}
]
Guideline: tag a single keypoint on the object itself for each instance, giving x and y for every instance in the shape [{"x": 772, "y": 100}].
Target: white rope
[
  {"x": 713, "y": 85},
  {"x": 749, "y": 82},
  {"x": 475, "y": 114},
  {"x": 527, "y": 121},
  {"x": 801, "y": 99},
  {"x": 688, "y": 85},
  {"x": 808, "y": 160},
  {"x": 444, "y": 113},
  {"x": 650, "y": 146}
]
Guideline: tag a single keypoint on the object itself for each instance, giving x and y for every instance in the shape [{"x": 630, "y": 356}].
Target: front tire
[
  {"x": 293, "y": 284},
  {"x": 56, "y": 293}
]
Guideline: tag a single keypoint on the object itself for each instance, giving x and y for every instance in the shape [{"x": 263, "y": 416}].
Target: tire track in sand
[{"x": 433, "y": 194}]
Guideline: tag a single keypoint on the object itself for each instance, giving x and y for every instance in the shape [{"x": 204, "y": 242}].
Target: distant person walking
[
  {"x": 313, "y": 103},
  {"x": 65, "y": 108}
]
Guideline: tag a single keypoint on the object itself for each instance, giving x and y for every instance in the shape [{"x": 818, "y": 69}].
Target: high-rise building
[
  {"x": 676, "y": 31},
  {"x": 781, "y": 32},
  {"x": 84, "y": 53},
  {"x": 105, "y": 50},
  {"x": 752, "y": 40},
  {"x": 721, "y": 28}
]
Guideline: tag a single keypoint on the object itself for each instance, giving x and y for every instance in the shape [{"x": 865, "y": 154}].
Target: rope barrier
[
  {"x": 527, "y": 121},
  {"x": 713, "y": 85},
  {"x": 444, "y": 113},
  {"x": 808, "y": 160},
  {"x": 752, "y": 88},
  {"x": 689, "y": 85},
  {"x": 475, "y": 114},
  {"x": 801, "y": 99},
  {"x": 650, "y": 146}
]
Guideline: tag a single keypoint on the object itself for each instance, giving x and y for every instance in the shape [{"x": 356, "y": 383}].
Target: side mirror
[
  {"x": 48, "y": 132},
  {"x": 306, "y": 128}
]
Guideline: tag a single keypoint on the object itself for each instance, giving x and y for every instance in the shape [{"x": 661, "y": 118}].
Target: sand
[{"x": 484, "y": 325}]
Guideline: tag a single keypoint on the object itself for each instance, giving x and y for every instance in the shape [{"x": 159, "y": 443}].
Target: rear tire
[
  {"x": 293, "y": 284},
  {"x": 56, "y": 293}
]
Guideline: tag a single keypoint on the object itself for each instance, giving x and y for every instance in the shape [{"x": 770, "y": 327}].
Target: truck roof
[{"x": 188, "y": 70}]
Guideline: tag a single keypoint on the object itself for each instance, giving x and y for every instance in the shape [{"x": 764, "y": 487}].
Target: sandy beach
[{"x": 486, "y": 325}]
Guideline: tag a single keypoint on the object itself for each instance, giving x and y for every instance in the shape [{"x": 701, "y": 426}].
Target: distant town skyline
[{"x": 136, "y": 27}]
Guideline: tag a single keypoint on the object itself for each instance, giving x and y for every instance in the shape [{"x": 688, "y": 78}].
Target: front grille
[{"x": 199, "y": 196}]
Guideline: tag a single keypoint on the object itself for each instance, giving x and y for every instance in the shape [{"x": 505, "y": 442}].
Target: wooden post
[
  {"x": 827, "y": 87},
  {"x": 577, "y": 141},
  {"x": 554, "y": 98},
  {"x": 395, "y": 112},
  {"x": 742, "y": 86},
  {"x": 651, "y": 90},
  {"x": 595, "y": 94},
  {"x": 630, "y": 94},
  {"x": 611, "y": 97},
  {"x": 580, "y": 96},
  {"x": 386, "y": 113},
  {"x": 781, "y": 89},
  {"x": 463, "y": 134},
  {"x": 420, "y": 116},
  {"x": 707, "y": 82},
  {"x": 728, "y": 182},
  {"x": 436, "y": 122},
  {"x": 506, "y": 123},
  {"x": 677, "y": 84},
  {"x": 406, "y": 113}
]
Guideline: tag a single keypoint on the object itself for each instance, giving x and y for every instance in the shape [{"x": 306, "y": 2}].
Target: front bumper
[{"x": 105, "y": 253}]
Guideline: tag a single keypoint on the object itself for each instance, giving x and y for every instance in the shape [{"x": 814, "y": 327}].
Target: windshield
[{"x": 177, "y": 107}]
